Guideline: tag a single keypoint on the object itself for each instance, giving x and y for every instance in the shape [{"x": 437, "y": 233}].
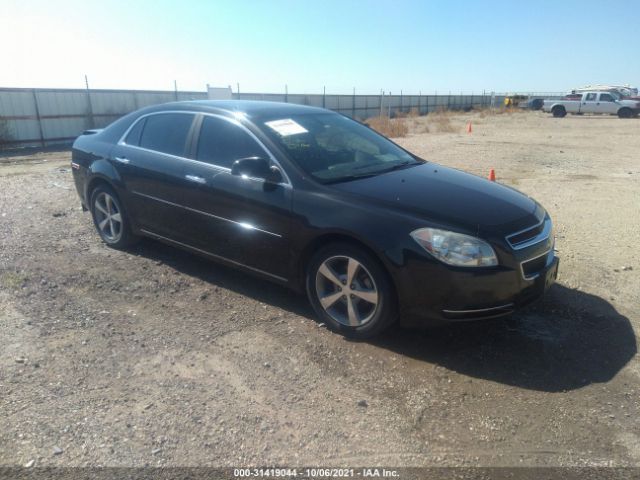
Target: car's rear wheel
[
  {"x": 110, "y": 218},
  {"x": 559, "y": 112},
  {"x": 625, "y": 113},
  {"x": 350, "y": 291}
]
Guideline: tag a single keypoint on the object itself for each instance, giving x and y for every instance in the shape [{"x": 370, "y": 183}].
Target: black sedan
[{"x": 322, "y": 204}]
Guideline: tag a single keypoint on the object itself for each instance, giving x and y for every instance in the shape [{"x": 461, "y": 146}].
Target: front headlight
[{"x": 455, "y": 248}]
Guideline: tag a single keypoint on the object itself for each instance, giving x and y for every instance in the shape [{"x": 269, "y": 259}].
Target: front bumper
[
  {"x": 431, "y": 292},
  {"x": 528, "y": 294}
]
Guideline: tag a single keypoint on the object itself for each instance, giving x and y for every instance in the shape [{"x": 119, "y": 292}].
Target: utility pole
[
  {"x": 353, "y": 104},
  {"x": 89, "y": 105}
]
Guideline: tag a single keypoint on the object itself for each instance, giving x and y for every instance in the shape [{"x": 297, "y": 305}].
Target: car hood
[{"x": 449, "y": 197}]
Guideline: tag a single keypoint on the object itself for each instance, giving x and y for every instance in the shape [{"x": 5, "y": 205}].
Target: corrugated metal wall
[
  {"x": 32, "y": 117},
  {"x": 45, "y": 116},
  {"x": 365, "y": 106}
]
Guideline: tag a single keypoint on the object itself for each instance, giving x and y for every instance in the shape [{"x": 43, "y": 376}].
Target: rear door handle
[
  {"x": 122, "y": 160},
  {"x": 195, "y": 179}
]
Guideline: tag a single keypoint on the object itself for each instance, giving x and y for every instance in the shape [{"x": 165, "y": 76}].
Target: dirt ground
[{"x": 157, "y": 357}]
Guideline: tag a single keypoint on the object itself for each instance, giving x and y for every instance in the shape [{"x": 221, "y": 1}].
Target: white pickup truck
[{"x": 594, "y": 102}]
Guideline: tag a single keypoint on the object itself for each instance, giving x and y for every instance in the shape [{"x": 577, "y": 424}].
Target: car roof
[{"x": 251, "y": 108}]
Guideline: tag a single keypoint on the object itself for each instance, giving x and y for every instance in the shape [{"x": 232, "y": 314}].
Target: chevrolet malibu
[{"x": 319, "y": 203}]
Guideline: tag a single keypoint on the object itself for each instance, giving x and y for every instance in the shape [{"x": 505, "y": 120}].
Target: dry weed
[
  {"x": 444, "y": 125},
  {"x": 441, "y": 119},
  {"x": 389, "y": 127}
]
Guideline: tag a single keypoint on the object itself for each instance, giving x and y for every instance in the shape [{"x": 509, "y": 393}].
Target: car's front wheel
[
  {"x": 110, "y": 218},
  {"x": 350, "y": 291}
]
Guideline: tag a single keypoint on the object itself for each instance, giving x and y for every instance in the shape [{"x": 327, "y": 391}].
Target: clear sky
[{"x": 413, "y": 45}]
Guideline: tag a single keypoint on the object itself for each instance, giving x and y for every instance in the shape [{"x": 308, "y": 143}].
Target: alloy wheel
[
  {"x": 346, "y": 291},
  {"x": 108, "y": 217}
]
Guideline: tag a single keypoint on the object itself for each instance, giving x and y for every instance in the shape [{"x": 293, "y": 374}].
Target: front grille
[
  {"x": 532, "y": 268},
  {"x": 522, "y": 238}
]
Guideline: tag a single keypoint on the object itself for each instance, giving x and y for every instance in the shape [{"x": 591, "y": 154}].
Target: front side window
[
  {"x": 166, "y": 132},
  {"x": 333, "y": 148},
  {"x": 606, "y": 97},
  {"x": 222, "y": 142}
]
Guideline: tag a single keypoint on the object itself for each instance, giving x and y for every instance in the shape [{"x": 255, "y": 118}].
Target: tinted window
[
  {"x": 166, "y": 132},
  {"x": 591, "y": 97},
  {"x": 221, "y": 143},
  {"x": 133, "y": 138},
  {"x": 605, "y": 97},
  {"x": 332, "y": 148}
]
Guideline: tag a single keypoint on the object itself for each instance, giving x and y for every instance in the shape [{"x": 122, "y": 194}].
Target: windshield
[{"x": 333, "y": 148}]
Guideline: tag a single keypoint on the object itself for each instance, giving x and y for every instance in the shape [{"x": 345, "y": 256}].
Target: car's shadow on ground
[{"x": 565, "y": 341}]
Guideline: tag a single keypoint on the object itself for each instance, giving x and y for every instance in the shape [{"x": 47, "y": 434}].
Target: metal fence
[
  {"x": 44, "y": 116},
  {"x": 365, "y": 106}
]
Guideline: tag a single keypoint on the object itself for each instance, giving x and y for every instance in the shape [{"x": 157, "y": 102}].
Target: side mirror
[{"x": 256, "y": 167}]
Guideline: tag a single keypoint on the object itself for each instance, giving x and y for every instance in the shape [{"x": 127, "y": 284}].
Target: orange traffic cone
[
  {"x": 469, "y": 129},
  {"x": 492, "y": 175}
]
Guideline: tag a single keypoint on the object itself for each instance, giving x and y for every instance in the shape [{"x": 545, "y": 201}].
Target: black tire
[
  {"x": 536, "y": 104},
  {"x": 106, "y": 203},
  {"x": 369, "y": 277},
  {"x": 559, "y": 112},
  {"x": 625, "y": 113}
]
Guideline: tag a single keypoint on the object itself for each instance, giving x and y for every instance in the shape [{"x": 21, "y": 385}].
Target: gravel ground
[{"x": 157, "y": 357}]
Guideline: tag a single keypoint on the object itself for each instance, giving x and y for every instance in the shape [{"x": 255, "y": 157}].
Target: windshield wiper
[
  {"x": 348, "y": 178},
  {"x": 397, "y": 166},
  {"x": 392, "y": 167}
]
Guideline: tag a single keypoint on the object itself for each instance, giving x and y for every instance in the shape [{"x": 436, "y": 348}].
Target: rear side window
[
  {"x": 221, "y": 143},
  {"x": 166, "y": 132},
  {"x": 133, "y": 138},
  {"x": 591, "y": 97}
]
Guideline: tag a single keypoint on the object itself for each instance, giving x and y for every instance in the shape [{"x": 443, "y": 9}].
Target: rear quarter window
[{"x": 133, "y": 137}]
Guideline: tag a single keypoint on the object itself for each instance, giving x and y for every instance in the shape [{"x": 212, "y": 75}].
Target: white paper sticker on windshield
[{"x": 286, "y": 127}]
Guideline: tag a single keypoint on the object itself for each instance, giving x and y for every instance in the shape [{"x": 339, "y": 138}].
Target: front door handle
[
  {"x": 122, "y": 160},
  {"x": 195, "y": 179}
]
